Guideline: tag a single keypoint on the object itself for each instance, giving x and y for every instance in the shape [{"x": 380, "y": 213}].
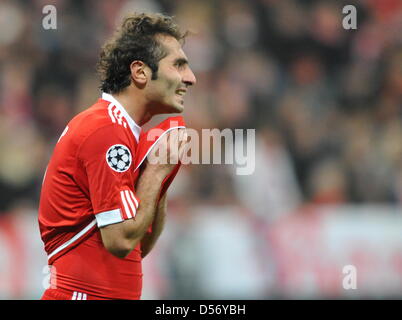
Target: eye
[{"x": 180, "y": 64}]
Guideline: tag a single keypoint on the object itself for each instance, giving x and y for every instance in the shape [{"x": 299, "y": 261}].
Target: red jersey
[{"x": 89, "y": 183}]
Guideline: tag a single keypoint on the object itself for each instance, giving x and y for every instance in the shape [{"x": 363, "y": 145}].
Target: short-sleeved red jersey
[{"x": 89, "y": 183}]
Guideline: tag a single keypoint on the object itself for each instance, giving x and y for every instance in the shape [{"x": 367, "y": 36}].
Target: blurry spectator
[
  {"x": 325, "y": 102},
  {"x": 327, "y": 183},
  {"x": 226, "y": 255},
  {"x": 271, "y": 191}
]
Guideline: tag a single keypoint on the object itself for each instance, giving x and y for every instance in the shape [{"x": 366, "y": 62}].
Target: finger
[
  {"x": 184, "y": 144},
  {"x": 183, "y": 135},
  {"x": 171, "y": 146}
]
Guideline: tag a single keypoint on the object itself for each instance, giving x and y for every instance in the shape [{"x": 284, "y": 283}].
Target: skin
[
  {"x": 149, "y": 239},
  {"x": 143, "y": 99}
]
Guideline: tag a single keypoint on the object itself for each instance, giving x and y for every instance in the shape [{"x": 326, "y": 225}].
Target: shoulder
[
  {"x": 100, "y": 119},
  {"x": 100, "y": 131},
  {"x": 94, "y": 131}
]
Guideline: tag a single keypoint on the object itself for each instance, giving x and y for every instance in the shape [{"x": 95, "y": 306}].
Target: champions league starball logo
[{"x": 118, "y": 157}]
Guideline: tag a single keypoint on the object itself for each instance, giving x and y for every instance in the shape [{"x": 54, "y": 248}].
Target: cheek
[
  {"x": 173, "y": 79},
  {"x": 171, "y": 85},
  {"x": 174, "y": 82},
  {"x": 169, "y": 81}
]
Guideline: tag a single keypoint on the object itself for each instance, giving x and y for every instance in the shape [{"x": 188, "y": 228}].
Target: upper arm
[{"x": 107, "y": 157}]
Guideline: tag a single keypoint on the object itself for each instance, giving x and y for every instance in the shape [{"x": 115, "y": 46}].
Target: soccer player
[{"x": 99, "y": 215}]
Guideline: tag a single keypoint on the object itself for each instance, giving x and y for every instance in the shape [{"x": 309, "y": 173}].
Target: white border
[
  {"x": 73, "y": 239},
  {"x": 149, "y": 150},
  {"x": 135, "y": 128},
  {"x": 108, "y": 217},
  {"x": 129, "y": 152}
]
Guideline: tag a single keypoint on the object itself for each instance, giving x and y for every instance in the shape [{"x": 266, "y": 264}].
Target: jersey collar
[{"x": 135, "y": 128}]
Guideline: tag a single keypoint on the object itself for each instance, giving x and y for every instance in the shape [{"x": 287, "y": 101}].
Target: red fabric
[
  {"x": 60, "y": 294},
  {"x": 149, "y": 139},
  {"x": 91, "y": 269},
  {"x": 80, "y": 183}
]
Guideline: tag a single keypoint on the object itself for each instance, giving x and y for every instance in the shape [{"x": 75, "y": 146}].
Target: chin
[
  {"x": 175, "y": 108},
  {"x": 179, "y": 108}
]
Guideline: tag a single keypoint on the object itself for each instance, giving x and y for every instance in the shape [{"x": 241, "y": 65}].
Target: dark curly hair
[{"x": 135, "y": 40}]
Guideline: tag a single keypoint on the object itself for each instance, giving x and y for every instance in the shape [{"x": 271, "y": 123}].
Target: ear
[{"x": 138, "y": 72}]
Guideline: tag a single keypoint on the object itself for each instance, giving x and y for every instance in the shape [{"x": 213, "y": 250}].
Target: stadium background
[{"x": 326, "y": 106}]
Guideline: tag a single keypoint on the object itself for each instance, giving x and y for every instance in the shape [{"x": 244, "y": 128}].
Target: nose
[{"x": 189, "y": 77}]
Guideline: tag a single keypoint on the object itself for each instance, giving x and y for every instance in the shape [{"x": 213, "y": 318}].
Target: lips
[{"x": 181, "y": 92}]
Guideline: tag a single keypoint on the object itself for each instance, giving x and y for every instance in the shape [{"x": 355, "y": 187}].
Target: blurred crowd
[{"x": 325, "y": 102}]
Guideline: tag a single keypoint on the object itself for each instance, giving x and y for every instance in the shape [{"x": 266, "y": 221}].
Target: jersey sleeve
[{"x": 107, "y": 158}]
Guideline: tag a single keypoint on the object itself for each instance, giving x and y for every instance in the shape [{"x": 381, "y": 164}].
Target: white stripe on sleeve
[
  {"x": 128, "y": 197},
  {"x": 126, "y": 209},
  {"x": 134, "y": 198}
]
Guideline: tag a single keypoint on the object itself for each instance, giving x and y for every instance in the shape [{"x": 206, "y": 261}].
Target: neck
[{"x": 135, "y": 105}]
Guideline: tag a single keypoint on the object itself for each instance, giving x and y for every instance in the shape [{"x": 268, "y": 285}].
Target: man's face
[{"x": 166, "y": 93}]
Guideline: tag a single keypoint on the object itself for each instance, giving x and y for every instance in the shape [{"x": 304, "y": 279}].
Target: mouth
[{"x": 181, "y": 92}]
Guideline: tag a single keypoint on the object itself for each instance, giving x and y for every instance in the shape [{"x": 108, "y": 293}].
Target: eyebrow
[{"x": 181, "y": 61}]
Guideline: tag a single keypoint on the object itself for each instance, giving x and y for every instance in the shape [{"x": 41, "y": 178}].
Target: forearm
[
  {"x": 147, "y": 190},
  {"x": 121, "y": 238},
  {"x": 150, "y": 238}
]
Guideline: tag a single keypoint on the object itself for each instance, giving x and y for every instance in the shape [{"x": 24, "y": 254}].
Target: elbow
[
  {"x": 121, "y": 248},
  {"x": 120, "y": 253},
  {"x": 118, "y": 241}
]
